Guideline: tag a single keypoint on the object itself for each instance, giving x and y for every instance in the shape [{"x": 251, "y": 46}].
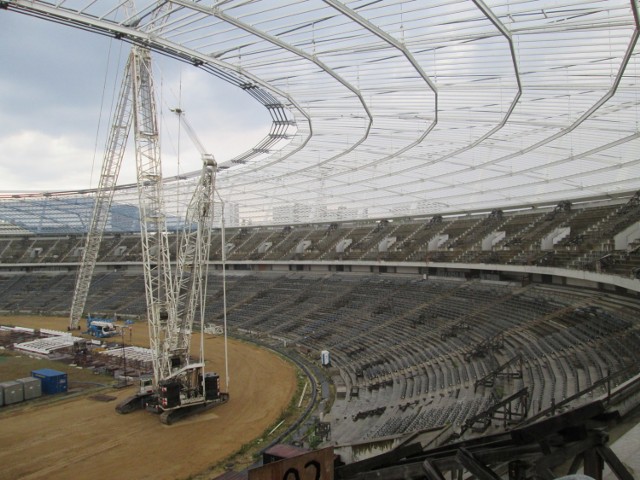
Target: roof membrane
[{"x": 394, "y": 108}]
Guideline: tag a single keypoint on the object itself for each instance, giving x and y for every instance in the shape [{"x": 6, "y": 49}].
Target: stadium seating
[{"x": 408, "y": 350}]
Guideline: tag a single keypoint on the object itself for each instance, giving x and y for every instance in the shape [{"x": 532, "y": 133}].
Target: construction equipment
[
  {"x": 180, "y": 387},
  {"x": 177, "y": 387},
  {"x": 207, "y": 158},
  {"x": 101, "y": 327},
  {"x": 114, "y": 152}
]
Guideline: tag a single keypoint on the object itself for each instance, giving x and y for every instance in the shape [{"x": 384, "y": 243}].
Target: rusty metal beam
[{"x": 469, "y": 461}]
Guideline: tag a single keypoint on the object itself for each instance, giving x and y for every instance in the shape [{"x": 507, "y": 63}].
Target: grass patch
[{"x": 15, "y": 365}]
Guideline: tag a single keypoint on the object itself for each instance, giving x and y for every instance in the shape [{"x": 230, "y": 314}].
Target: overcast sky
[{"x": 52, "y": 80}]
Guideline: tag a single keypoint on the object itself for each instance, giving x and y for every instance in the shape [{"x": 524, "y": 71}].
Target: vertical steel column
[{"x": 154, "y": 238}]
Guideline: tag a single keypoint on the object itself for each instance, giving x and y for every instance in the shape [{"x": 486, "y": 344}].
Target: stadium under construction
[{"x": 440, "y": 233}]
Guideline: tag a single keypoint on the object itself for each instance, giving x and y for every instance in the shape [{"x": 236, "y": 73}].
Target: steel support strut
[{"x": 114, "y": 153}]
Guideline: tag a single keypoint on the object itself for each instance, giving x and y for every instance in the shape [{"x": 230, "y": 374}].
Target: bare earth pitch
[{"x": 81, "y": 438}]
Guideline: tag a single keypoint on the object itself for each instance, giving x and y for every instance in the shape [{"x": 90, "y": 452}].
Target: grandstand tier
[
  {"x": 407, "y": 353},
  {"x": 601, "y": 237}
]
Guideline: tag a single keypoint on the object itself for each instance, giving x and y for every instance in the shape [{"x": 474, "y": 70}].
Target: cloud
[
  {"x": 32, "y": 160},
  {"x": 54, "y": 118}
]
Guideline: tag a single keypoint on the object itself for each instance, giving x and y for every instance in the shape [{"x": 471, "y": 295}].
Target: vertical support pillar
[{"x": 517, "y": 470}]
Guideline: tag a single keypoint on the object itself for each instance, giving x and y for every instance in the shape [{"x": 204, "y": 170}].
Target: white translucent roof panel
[{"x": 406, "y": 107}]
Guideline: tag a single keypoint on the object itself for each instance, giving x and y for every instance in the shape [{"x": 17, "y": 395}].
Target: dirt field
[{"x": 81, "y": 438}]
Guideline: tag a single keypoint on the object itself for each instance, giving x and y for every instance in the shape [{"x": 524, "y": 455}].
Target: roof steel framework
[{"x": 391, "y": 108}]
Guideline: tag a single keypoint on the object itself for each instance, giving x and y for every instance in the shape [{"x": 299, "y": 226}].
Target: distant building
[{"x": 51, "y": 214}]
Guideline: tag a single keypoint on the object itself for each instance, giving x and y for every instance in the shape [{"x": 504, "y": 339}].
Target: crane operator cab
[{"x": 146, "y": 385}]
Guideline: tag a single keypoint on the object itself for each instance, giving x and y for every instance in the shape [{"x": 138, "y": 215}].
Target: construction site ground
[{"x": 80, "y": 436}]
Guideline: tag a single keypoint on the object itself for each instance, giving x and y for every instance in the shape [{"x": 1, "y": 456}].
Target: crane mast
[
  {"x": 191, "y": 275},
  {"x": 161, "y": 308},
  {"x": 193, "y": 253}
]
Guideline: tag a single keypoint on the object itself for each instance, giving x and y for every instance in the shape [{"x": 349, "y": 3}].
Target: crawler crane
[
  {"x": 177, "y": 387},
  {"x": 180, "y": 388}
]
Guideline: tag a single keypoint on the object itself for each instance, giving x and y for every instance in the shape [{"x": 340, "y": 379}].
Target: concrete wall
[
  {"x": 554, "y": 237},
  {"x": 362, "y": 451},
  {"x": 531, "y": 273},
  {"x": 628, "y": 235},
  {"x": 577, "y": 282}
]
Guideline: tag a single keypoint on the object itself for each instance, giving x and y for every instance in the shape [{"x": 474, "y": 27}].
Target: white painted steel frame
[
  {"x": 156, "y": 261},
  {"x": 116, "y": 144},
  {"x": 395, "y": 108},
  {"x": 193, "y": 256}
]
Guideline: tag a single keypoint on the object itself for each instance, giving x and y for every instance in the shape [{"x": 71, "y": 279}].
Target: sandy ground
[{"x": 81, "y": 438}]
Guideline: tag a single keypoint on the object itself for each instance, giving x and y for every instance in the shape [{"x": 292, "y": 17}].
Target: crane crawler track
[
  {"x": 131, "y": 404},
  {"x": 170, "y": 416}
]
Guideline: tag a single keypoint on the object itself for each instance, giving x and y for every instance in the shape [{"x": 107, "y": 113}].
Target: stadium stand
[{"x": 408, "y": 348}]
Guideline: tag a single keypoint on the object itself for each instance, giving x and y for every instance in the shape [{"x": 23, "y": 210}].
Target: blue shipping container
[{"x": 53, "y": 381}]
